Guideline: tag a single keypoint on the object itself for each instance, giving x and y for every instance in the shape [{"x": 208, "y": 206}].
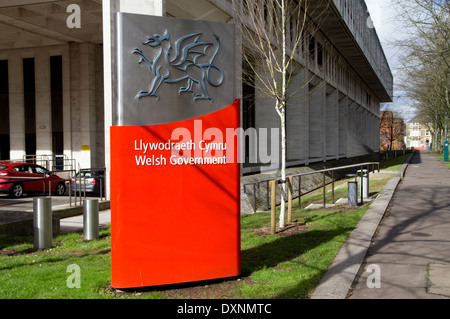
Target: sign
[{"x": 175, "y": 175}]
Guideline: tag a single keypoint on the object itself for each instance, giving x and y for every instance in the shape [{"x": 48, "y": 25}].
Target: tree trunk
[{"x": 282, "y": 114}]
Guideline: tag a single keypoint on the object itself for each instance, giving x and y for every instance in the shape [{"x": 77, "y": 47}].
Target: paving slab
[{"x": 438, "y": 279}]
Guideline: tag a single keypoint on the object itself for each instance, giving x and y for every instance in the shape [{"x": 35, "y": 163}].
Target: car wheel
[
  {"x": 60, "y": 189},
  {"x": 17, "y": 191}
]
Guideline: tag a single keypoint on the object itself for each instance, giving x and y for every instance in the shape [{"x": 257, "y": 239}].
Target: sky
[{"x": 387, "y": 25}]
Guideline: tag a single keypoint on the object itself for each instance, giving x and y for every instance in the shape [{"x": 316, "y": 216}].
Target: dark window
[
  {"x": 57, "y": 106},
  {"x": 319, "y": 54},
  {"x": 312, "y": 48},
  {"x": 24, "y": 169},
  {"x": 4, "y": 111},
  {"x": 29, "y": 91}
]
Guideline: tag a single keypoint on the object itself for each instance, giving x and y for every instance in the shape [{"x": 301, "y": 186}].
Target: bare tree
[
  {"x": 426, "y": 66},
  {"x": 274, "y": 34}
]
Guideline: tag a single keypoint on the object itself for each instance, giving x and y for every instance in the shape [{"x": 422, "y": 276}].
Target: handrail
[
  {"x": 289, "y": 181},
  {"x": 316, "y": 172},
  {"x": 323, "y": 171}
]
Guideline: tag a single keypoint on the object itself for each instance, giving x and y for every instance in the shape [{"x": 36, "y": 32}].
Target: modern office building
[{"x": 56, "y": 73}]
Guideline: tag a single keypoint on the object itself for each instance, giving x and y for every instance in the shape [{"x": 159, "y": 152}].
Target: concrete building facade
[{"x": 56, "y": 68}]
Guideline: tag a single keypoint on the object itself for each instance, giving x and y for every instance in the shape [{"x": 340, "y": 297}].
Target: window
[
  {"x": 30, "y": 105},
  {"x": 56, "y": 85},
  {"x": 40, "y": 170},
  {"x": 24, "y": 169},
  {"x": 312, "y": 48},
  {"x": 4, "y": 111},
  {"x": 319, "y": 54}
]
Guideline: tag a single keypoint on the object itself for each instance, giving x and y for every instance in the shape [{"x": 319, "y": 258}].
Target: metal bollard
[
  {"x": 90, "y": 219},
  {"x": 364, "y": 182},
  {"x": 352, "y": 194},
  {"x": 42, "y": 222}
]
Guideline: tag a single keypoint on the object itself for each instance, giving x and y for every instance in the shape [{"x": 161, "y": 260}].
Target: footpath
[{"x": 408, "y": 256}]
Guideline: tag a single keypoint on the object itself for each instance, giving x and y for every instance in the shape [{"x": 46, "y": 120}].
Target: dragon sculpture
[{"x": 187, "y": 54}]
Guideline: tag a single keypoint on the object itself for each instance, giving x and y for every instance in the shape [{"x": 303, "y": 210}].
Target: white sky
[{"x": 387, "y": 25}]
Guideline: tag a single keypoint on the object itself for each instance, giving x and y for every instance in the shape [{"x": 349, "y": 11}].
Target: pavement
[
  {"x": 401, "y": 247},
  {"x": 75, "y": 223}
]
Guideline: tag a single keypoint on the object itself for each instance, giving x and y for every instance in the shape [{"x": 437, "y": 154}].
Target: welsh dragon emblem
[{"x": 188, "y": 61}]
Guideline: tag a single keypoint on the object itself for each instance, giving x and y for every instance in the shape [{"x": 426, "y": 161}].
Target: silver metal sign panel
[{"x": 169, "y": 69}]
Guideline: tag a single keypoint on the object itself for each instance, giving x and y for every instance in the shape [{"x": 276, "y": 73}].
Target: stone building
[
  {"x": 418, "y": 134},
  {"x": 56, "y": 73}
]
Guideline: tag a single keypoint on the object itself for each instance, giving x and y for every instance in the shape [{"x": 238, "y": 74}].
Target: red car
[{"x": 28, "y": 178}]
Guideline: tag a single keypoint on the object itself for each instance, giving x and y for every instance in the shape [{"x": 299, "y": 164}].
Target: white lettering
[
  {"x": 245, "y": 308},
  {"x": 194, "y": 309},
  {"x": 150, "y": 161},
  {"x": 175, "y": 160}
]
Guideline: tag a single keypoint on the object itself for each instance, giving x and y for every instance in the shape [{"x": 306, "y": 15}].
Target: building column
[
  {"x": 85, "y": 93},
  {"x": 296, "y": 123},
  {"x": 343, "y": 124},
  {"x": 16, "y": 107},
  {"x": 317, "y": 122},
  {"x": 332, "y": 123},
  {"x": 109, "y": 7},
  {"x": 43, "y": 104}
]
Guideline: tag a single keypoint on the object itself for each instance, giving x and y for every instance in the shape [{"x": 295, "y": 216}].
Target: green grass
[
  {"x": 29, "y": 273},
  {"x": 290, "y": 267},
  {"x": 272, "y": 266},
  {"x": 440, "y": 156},
  {"x": 395, "y": 163}
]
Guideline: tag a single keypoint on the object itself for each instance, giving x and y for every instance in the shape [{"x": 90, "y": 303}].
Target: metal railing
[
  {"x": 78, "y": 193},
  {"x": 290, "y": 180}
]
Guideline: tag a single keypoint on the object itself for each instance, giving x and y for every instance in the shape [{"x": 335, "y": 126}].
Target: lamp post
[{"x": 446, "y": 140}]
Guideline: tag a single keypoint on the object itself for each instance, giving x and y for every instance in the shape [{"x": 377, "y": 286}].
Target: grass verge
[
  {"x": 440, "y": 156},
  {"x": 395, "y": 163}
]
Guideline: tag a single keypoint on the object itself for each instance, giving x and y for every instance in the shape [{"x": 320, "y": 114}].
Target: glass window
[
  {"x": 24, "y": 169},
  {"x": 40, "y": 170}
]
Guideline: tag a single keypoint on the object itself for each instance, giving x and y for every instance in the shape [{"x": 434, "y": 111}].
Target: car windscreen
[{"x": 2, "y": 167}]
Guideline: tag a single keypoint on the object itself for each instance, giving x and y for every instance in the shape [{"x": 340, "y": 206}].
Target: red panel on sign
[{"x": 175, "y": 201}]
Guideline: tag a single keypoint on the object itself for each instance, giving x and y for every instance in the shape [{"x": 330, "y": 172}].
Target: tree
[
  {"x": 426, "y": 66},
  {"x": 274, "y": 33}
]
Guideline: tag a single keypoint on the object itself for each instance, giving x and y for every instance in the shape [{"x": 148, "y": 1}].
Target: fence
[{"x": 290, "y": 186}]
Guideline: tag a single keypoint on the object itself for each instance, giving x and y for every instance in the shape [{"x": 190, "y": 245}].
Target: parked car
[
  {"x": 89, "y": 181},
  {"x": 18, "y": 179}
]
